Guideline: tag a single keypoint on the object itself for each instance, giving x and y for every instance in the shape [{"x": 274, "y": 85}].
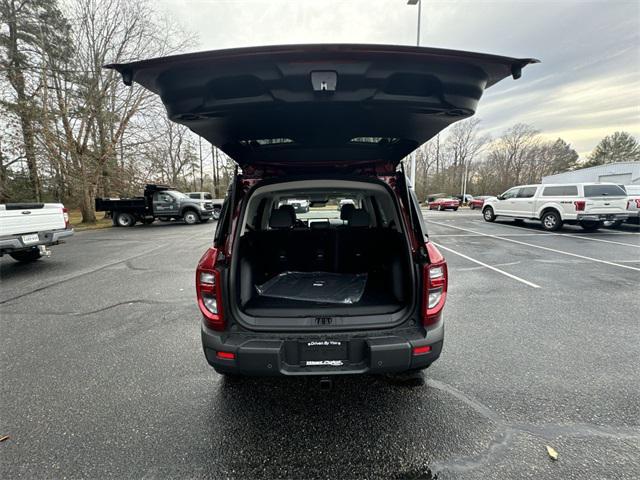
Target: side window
[
  {"x": 527, "y": 192},
  {"x": 513, "y": 193},
  {"x": 194, "y": 195},
  {"x": 560, "y": 191},
  {"x": 161, "y": 197}
]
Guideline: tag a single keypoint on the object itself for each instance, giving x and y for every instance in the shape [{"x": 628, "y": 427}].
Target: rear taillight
[
  {"x": 208, "y": 290},
  {"x": 638, "y": 202},
  {"x": 435, "y": 280},
  {"x": 579, "y": 205},
  {"x": 65, "y": 214}
]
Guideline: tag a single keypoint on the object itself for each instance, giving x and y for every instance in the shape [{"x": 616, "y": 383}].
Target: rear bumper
[
  {"x": 267, "y": 355},
  {"x": 15, "y": 243},
  {"x": 601, "y": 217}
]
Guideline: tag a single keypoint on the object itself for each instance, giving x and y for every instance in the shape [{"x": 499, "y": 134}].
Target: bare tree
[{"x": 89, "y": 105}]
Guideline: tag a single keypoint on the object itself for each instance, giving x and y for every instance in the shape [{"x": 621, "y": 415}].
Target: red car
[
  {"x": 477, "y": 202},
  {"x": 444, "y": 204}
]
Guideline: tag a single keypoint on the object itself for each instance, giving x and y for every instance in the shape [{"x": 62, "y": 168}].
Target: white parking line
[
  {"x": 574, "y": 235},
  {"x": 541, "y": 247},
  {"x": 502, "y": 272}
]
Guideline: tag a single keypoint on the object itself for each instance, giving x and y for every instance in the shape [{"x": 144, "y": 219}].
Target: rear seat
[{"x": 348, "y": 249}]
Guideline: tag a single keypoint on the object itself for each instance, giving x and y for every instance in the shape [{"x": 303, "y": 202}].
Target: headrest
[
  {"x": 346, "y": 211},
  {"x": 359, "y": 218},
  {"x": 317, "y": 225},
  {"x": 280, "y": 218},
  {"x": 290, "y": 210}
]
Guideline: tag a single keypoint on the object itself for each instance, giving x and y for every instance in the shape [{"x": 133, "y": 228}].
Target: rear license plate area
[
  {"x": 31, "y": 238},
  {"x": 315, "y": 353}
]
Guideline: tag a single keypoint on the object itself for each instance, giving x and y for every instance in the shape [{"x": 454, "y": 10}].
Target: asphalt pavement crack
[
  {"x": 81, "y": 274},
  {"x": 507, "y": 431}
]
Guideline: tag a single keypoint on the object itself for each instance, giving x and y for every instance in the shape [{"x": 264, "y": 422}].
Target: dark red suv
[{"x": 349, "y": 286}]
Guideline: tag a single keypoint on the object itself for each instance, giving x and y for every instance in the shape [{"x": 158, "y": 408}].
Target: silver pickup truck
[{"x": 27, "y": 229}]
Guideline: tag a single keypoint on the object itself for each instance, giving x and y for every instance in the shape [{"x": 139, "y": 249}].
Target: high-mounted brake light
[
  {"x": 208, "y": 290},
  {"x": 435, "y": 280},
  {"x": 579, "y": 205},
  {"x": 65, "y": 214}
]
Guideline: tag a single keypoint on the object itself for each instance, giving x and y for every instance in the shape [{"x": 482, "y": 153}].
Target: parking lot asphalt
[{"x": 102, "y": 372}]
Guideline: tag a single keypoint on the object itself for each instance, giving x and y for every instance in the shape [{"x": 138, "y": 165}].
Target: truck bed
[{"x": 136, "y": 204}]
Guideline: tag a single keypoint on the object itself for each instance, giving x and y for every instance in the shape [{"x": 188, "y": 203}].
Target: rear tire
[
  {"x": 190, "y": 217},
  {"x": 551, "y": 221},
  {"x": 590, "y": 226},
  {"x": 471, "y": 207},
  {"x": 25, "y": 256},
  {"x": 488, "y": 214},
  {"x": 125, "y": 220},
  {"x": 455, "y": 209}
]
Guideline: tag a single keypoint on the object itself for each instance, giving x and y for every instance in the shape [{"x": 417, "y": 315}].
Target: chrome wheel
[{"x": 550, "y": 222}]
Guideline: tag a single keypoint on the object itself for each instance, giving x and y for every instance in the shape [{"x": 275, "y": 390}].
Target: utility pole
[
  {"x": 201, "y": 174},
  {"x": 413, "y": 157}
]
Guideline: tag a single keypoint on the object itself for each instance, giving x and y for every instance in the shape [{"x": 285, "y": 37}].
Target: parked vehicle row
[
  {"x": 159, "y": 202},
  {"x": 27, "y": 229},
  {"x": 586, "y": 204}
]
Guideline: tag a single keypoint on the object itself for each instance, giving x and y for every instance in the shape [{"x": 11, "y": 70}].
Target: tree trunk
[
  {"x": 16, "y": 78},
  {"x": 87, "y": 205}
]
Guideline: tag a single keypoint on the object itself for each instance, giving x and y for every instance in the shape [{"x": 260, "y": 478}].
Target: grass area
[{"x": 75, "y": 218}]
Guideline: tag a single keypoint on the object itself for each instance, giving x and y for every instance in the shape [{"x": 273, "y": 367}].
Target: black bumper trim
[{"x": 259, "y": 356}]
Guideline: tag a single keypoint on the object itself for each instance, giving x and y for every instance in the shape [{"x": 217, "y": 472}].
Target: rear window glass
[
  {"x": 561, "y": 191},
  {"x": 603, "y": 190}
]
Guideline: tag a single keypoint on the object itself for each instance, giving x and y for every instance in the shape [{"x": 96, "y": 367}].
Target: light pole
[
  {"x": 413, "y": 157},
  {"x": 419, "y": 3}
]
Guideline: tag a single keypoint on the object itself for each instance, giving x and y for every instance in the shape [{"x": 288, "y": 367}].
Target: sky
[{"x": 586, "y": 86}]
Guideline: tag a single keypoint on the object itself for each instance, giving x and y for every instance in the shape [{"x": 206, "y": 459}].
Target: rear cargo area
[
  {"x": 346, "y": 256},
  {"x": 335, "y": 256}
]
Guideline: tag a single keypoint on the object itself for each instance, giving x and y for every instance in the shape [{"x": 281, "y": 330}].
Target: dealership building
[{"x": 623, "y": 173}]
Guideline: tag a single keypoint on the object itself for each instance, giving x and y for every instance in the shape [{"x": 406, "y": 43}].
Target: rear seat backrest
[{"x": 359, "y": 219}]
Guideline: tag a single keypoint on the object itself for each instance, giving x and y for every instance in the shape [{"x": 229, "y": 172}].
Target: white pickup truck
[
  {"x": 27, "y": 229},
  {"x": 586, "y": 204}
]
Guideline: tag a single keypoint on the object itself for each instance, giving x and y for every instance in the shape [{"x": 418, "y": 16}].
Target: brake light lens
[
  {"x": 208, "y": 290},
  {"x": 435, "y": 279},
  {"x": 421, "y": 350},
  {"x": 638, "y": 202},
  {"x": 226, "y": 355},
  {"x": 65, "y": 214},
  {"x": 579, "y": 205}
]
